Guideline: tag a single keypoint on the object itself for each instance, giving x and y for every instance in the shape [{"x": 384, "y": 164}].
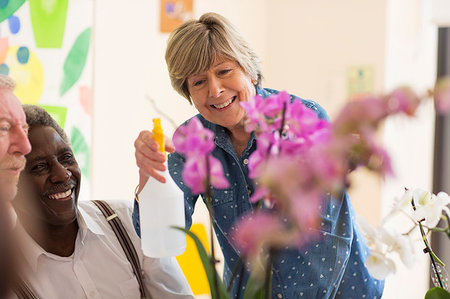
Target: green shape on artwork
[
  {"x": 48, "y": 18},
  {"x": 11, "y": 7},
  {"x": 58, "y": 113},
  {"x": 75, "y": 61},
  {"x": 81, "y": 150}
]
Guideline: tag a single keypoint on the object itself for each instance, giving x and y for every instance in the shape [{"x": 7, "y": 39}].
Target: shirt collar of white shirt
[{"x": 33, "y": 250}]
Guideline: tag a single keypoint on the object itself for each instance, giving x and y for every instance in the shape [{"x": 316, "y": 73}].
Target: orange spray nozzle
[{"x": 158, "y": 134}]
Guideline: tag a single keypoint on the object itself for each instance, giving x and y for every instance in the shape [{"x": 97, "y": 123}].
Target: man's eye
[
  {"x": 38, "y": 167},
  {"x": 67, "y": 159},
  {"x": 67, "y": 156},
  {"x": 5, "y": 127}
]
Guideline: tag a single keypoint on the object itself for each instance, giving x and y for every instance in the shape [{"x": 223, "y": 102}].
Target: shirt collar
[
  {"x": 86, "y": 221},
  {"x": 32, "y": 250}
]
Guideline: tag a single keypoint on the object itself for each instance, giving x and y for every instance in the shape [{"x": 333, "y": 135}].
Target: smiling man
[
  {"x": 69, "y": 248},
  {"x": 14, "y": 145}
]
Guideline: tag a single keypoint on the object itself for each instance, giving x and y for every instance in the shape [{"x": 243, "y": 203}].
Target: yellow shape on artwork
[
  {"x": 191, "y": 264},
  {"x": 26, "y": 69}
]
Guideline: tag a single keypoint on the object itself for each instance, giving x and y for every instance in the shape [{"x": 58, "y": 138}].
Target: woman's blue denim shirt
[{"x": 331, "y": 267}]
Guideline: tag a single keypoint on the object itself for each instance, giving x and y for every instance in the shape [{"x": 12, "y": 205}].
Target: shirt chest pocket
[
  {"x": 224, "y": 207},
  {"x": 220, "y": 197},
  {"x": 130, "y": 289}
]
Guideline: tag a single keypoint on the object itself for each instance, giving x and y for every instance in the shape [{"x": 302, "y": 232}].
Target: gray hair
[
  {"x": 6, "y": 82},
  {"x": 193, "y": 47},
  {"x": 38, "y": 116}
]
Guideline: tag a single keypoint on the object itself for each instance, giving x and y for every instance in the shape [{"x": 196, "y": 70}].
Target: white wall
[
  {"x": 128, "y": 65},
  {"x": 411, "y": 58},
  {"x": 306, "y": 47},
  {"x": 311, "y": 46}
]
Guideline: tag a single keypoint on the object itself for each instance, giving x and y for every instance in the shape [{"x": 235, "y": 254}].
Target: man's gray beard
[{"x": 8, "y": 188}]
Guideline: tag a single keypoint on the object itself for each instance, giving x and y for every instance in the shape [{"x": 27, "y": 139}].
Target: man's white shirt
[{"x": 98, "y": 268}]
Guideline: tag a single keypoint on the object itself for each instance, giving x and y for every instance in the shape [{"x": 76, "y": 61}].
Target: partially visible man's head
[
  {"x": 14, "y": 144},
  {"x": 50, "y": 184}
]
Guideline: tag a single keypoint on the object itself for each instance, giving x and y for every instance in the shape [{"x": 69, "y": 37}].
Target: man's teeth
[
  {"x": 60, "y": 195},
  {"x": 224, "y": 104}
]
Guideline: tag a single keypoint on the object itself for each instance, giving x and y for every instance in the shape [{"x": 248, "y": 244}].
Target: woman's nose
[{"x": 215, "y": 87}]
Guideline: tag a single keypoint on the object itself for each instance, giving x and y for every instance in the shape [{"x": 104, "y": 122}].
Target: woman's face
[{"x": 218, "y": 91}]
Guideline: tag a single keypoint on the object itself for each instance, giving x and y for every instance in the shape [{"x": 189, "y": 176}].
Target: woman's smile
[{"x": 224, "y": 105}]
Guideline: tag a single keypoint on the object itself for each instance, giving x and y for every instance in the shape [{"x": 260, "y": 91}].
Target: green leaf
[
  {"x": 75, "y": 61},
  {"x": 255, "y": 288},
  {"x": 211, "y": 272},
  {"x": 9, "y": 7},
  {"x": 81, "y": 150},
  {"x": 437, "y": 293}
]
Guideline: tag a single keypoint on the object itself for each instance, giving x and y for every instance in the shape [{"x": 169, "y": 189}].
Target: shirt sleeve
[
  {"x": 136, "y": 219},
  {"x": 163, "y": 277}
]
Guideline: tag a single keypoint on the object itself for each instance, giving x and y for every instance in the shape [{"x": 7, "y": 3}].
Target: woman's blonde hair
[{"x": 193, "y": 47}]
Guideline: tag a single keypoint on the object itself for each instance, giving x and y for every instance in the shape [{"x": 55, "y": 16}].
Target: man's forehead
[{"x": 11, "y": 109}]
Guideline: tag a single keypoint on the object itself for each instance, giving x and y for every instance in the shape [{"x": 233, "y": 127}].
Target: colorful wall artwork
[
  {"x": 174, "y": 13},
  {"x": 45, "y": 46}
]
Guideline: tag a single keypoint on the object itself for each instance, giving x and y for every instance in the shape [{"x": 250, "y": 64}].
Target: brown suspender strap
[
  {"x": 23, "y": 291},
  {"x": 124, "y": 240}
]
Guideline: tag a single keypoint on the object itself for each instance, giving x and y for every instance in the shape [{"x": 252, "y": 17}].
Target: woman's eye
[
  {"x": 224, "y": 72},
  {"x": 198, "y": 83}
]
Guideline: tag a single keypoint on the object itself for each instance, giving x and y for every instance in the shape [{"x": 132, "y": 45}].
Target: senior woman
[{"x": 214, "y": 68}]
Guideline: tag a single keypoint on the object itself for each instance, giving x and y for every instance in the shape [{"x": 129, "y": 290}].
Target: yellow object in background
[
  {"x": 158, "y": 134},
  {"x": 27, "y": 72},
  {"x": 190, "y": 262}
]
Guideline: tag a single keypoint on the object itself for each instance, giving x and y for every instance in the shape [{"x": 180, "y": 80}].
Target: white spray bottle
[{"x": 161, "y": 206}]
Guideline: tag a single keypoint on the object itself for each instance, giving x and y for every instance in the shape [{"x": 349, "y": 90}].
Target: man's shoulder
[
  {"x": 123, "y": 208},
  {"x": 114, "y": 204}
]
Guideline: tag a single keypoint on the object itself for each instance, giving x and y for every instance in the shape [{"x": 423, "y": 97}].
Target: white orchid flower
[
  {"x": 370, "y": 233},
  {"x": 430, "y": 206},
  {"x": 401, "y": 205},
  {"x": 398, "y": 243},
  {"x": 379, "y": 265}
]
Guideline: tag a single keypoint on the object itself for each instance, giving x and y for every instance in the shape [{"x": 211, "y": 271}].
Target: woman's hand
[{"x": 149, "y": 159}]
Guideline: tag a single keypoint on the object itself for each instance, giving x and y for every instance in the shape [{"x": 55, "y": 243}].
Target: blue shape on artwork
[
  {"x": 3, "y": 3},
  {"x": 14, "y": 24},
  {"x": 170, "y": 7},
  {"x": 4, "y": 69},
  {"x": 23, "y": 54}
]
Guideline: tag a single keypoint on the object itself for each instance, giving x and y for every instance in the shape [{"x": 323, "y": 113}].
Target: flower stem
[
  {"x": 433, "y": 256},
  {"x": 208, "y": 196},
  {"x": 268, "y": 276},
  {"x": 428, "y": 249},
  {"x": 283, "y": 119},
  {"x": 237, "y": 266}
]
